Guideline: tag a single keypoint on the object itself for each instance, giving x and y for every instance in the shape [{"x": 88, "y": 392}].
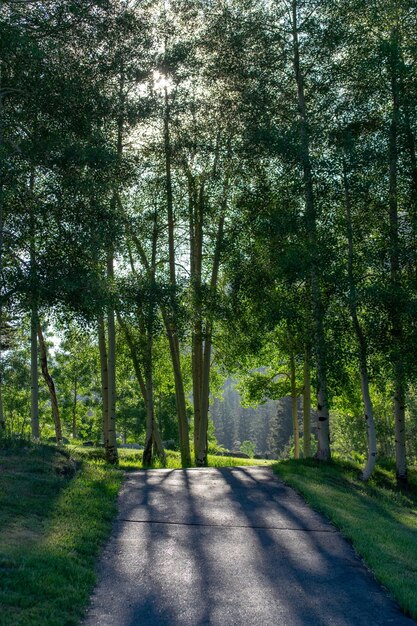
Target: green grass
[
  {"x": 131, "y": 460},
  {"x": 53, "y": 521},
  {"x": 56, "y": 510},
  {"x": 380, "y": 521}
]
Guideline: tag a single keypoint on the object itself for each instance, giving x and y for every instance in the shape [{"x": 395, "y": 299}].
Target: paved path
[{"x": 229, "y": 547}]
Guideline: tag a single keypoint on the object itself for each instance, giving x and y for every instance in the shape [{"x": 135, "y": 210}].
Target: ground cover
[
  {"x": 380, "y": 521},
  {"x": 131, "y": 460},
  {"x": 55, "y": 513}
]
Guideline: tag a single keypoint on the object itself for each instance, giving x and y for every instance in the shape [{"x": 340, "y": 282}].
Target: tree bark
[
  {"x": 196, "y": 256},
  {"x": 33, "y": 322},
  {"x": 104, "y": 381},
  {"x": 111, "y": 449},
  {"x": 34, "y": 373},
  {"x": 74, "y": 410},
  {"x": 323, "y": 429},
  {"x": 50, "y": 384},
  {"x": 202, "y": 450},
  {"x": 306, "y": 405},
  {"x": 294, "y": 411},
  {"x": 153, "y": 444},
  {"x": 2, "y": 420}
]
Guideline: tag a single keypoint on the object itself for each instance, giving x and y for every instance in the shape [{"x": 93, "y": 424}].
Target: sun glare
[{"x": 161, "y": 82}]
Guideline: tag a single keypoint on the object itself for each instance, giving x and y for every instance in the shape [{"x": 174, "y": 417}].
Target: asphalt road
[{"x": 229, "y": 547}]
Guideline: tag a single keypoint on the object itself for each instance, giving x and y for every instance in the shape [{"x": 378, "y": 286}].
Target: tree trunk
[
  {"x": 196, "y": 256},
  {"x": 74, "y": 410},
  {"x": 306, "y": 405},
  {"x": 104, "y": 381},
  {"x": 153, "y": 443},
  {"x": 395, "y": 313},
  {"x": 111, "y": 449},
  {"x": 33, "y": 320},
  {"x": 173, "y": 340},
  {"x": 34, "y": 374},
  {"x": 294, "y": 411},
  {"x": 50, "y": 384},
  {"x": 202, "y": 450},
  {"x": 2, "y": 420},
  {"x": 323, "y": 431}
]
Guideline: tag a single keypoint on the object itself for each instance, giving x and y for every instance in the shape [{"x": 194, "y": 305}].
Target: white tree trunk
[{"x": 306, "y": 406}]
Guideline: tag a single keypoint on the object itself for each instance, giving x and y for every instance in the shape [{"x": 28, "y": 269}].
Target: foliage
[{"x": 248, "y": 447}]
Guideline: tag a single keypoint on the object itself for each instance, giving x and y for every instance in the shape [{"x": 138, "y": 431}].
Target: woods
[{"x": 192, "y": 191}]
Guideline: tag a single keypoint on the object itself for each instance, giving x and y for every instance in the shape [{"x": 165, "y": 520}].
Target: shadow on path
[{"x": 229, "y": 546}]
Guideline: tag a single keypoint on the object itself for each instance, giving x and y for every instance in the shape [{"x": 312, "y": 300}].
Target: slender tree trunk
[
  {"x": 202, "y": 450},
  {"x": 74, "y": 409},
  {"x": 34, "y": 373},
  {"x": 294, "y": 411},
  {"x": 133, "y": 354},
  {"x": 111, "y": 449},
  {"x": 196, "y": 256},
  {"x": 2, "y": 420},
  {"x": 173, "y": 340},
  {"x": 33, "y": 321},
  {"x": 50, "y": 384},
  {"x": 104, "y": 381},
  {"x": 306, "y": 405},
  {"x": 360, "y": 338},
  {"x": 153, "y": 443},
  {"x": 323, "y": 431},
  {"x": 395, "y": 313}
]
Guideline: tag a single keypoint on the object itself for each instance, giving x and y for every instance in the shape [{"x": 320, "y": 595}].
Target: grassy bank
[
  {"x": 56, "y": 510},
  {"x": 380, "y": 522},
  {"x": 54, "y": 516}
]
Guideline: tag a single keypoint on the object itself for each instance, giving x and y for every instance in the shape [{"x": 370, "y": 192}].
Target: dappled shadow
[{"x": 229, "y": 546}]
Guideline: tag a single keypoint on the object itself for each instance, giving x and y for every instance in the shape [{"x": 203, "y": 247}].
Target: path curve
[{"x": 229, "y": 547}]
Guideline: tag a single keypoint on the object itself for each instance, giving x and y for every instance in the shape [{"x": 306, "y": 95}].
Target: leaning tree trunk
[
  {"x": 323, "y": 429},
  {"x": 306, "y": 404},
  {"x": 104, "y": 374},
  {"x": 395, "y": 313},
  {"x": 50, "y": 384},
  {"x": 361, "y": 341}
]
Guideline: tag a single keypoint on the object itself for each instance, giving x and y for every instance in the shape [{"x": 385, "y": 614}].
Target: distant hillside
[{"x": 268, "y": 425}]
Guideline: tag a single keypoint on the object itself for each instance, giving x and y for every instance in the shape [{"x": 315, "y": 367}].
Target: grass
[
  {"x": 380, "y": 521},
  {"x": 131, "y": 460},
  {"x": 54, "y": 516},
  {"x": 56, "y": 511}
]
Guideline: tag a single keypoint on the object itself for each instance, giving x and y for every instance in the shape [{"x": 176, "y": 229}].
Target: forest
[{"x": 208, "y": 227}]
